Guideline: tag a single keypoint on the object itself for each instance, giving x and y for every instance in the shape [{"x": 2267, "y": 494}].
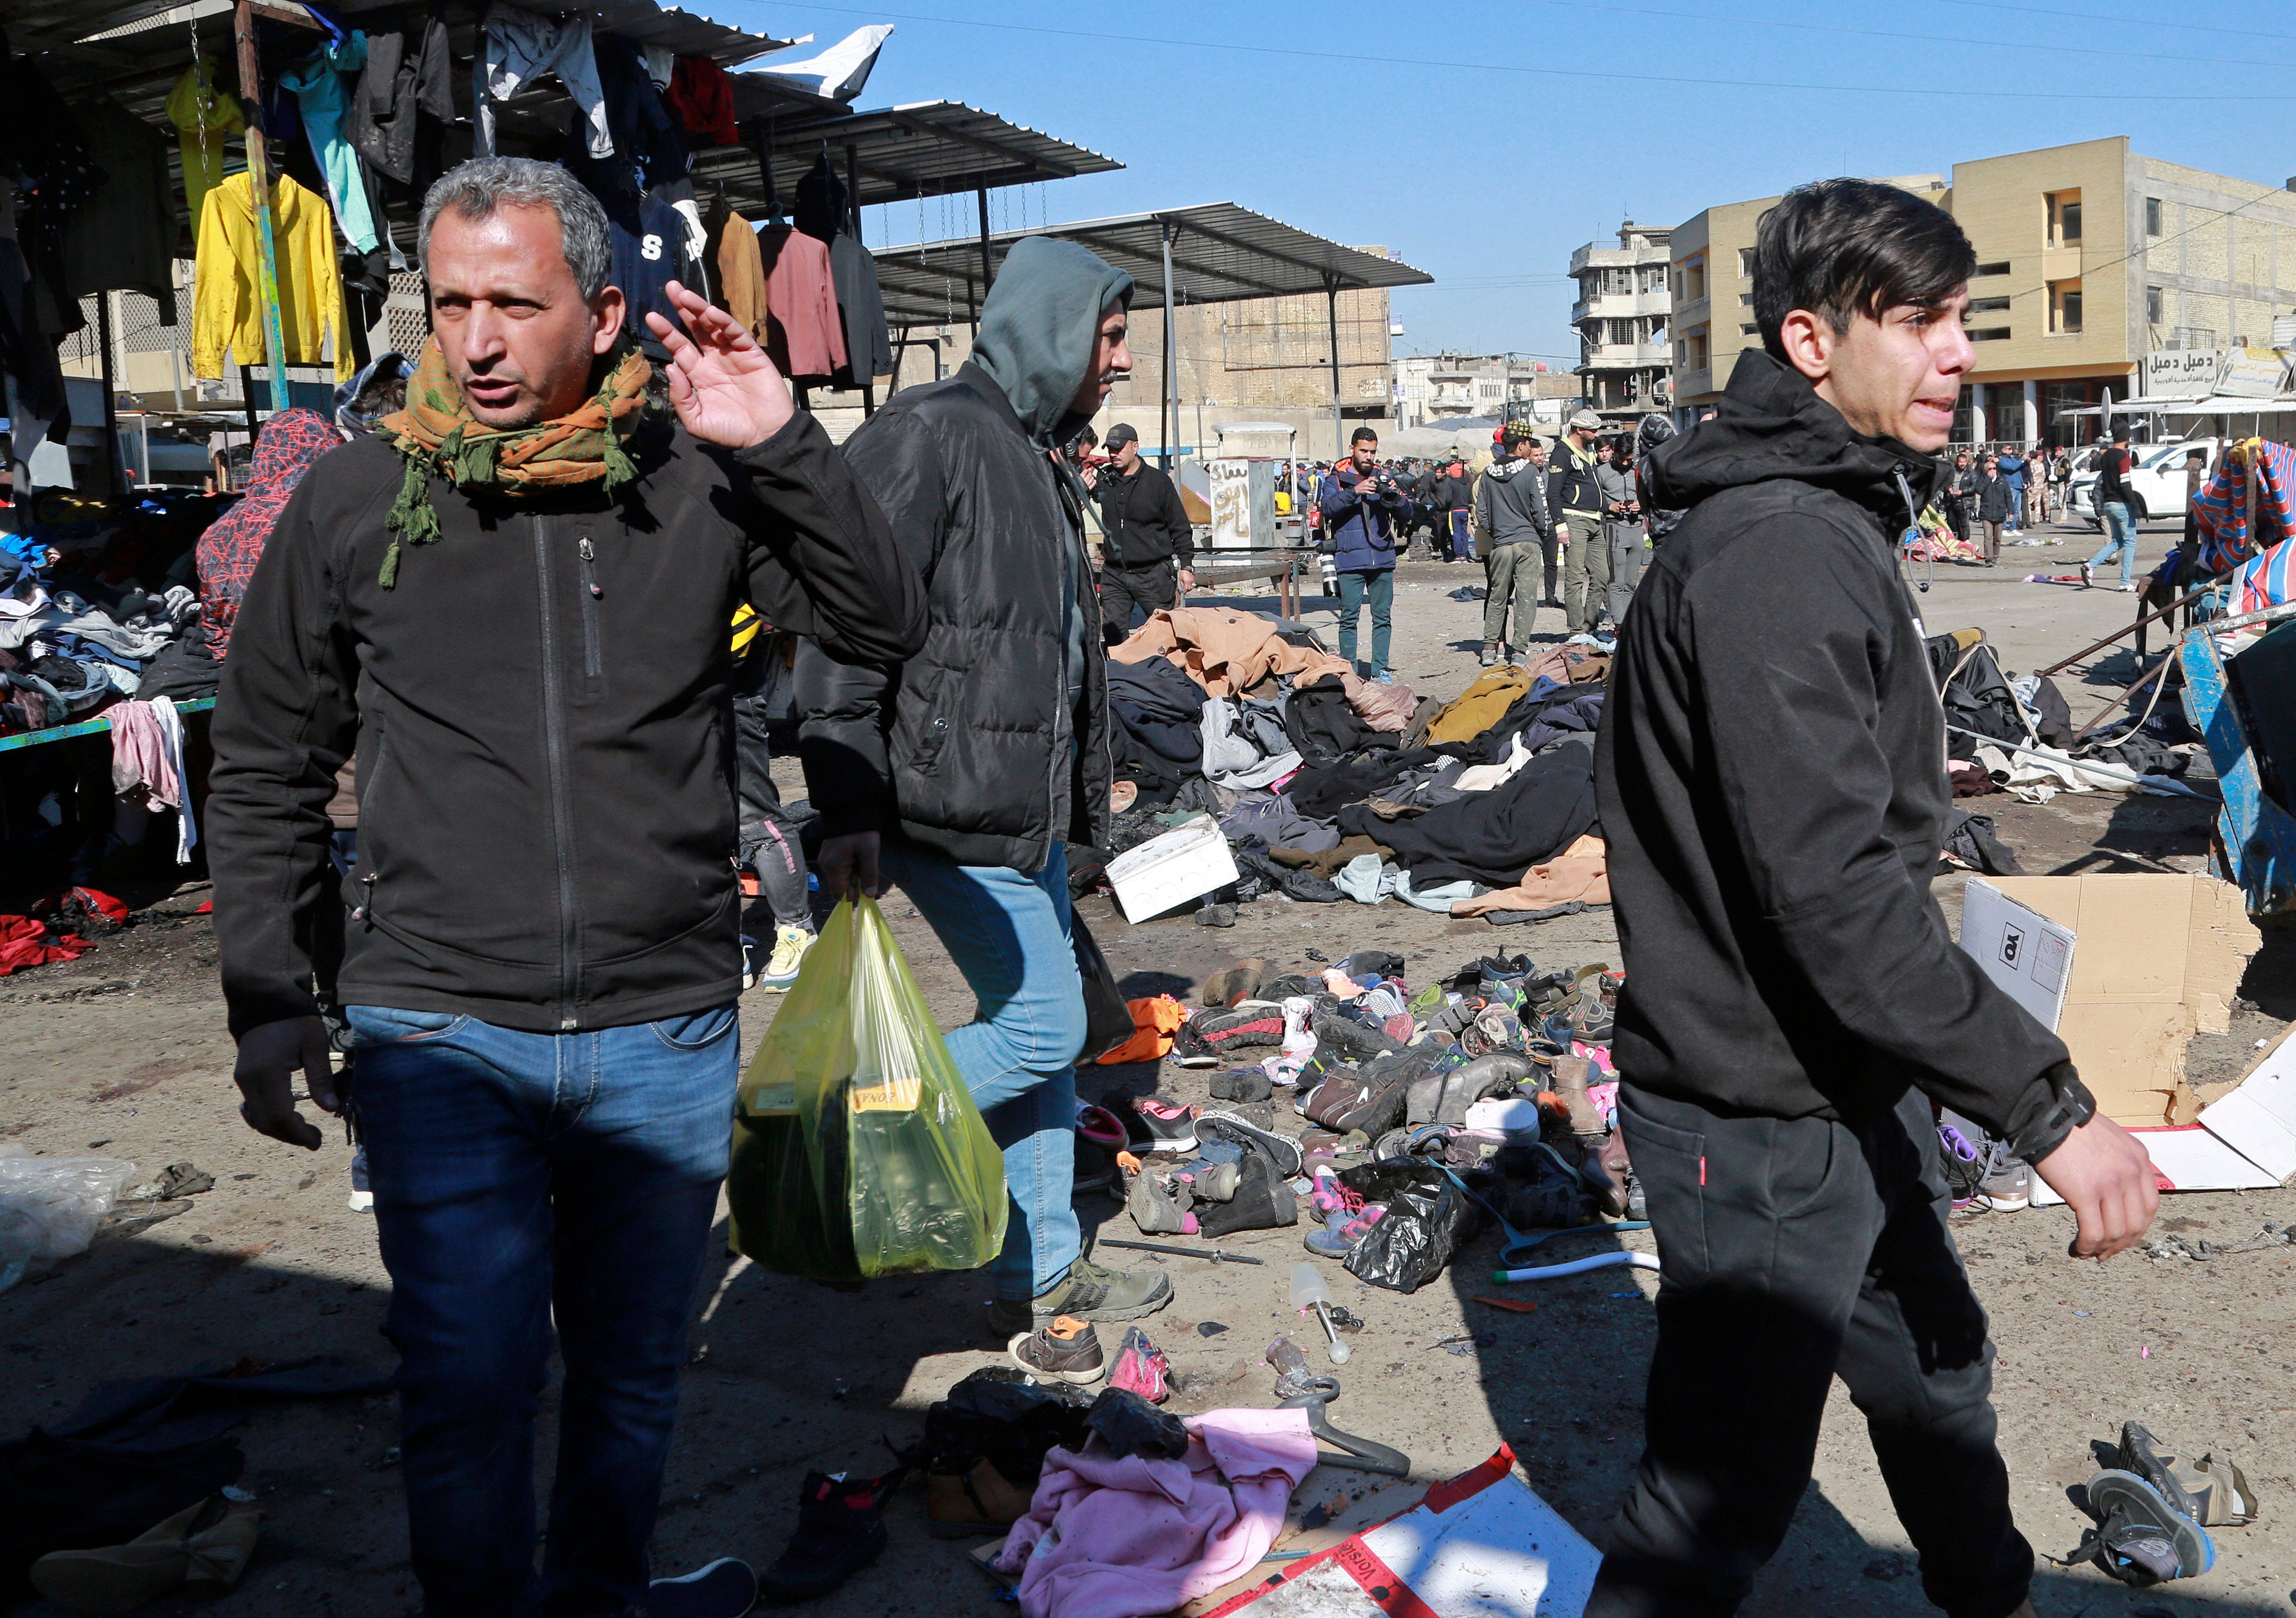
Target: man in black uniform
[{"x": 1146, "y": 556}]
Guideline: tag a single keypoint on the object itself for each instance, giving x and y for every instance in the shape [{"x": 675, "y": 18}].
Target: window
[
  {"x": 1693, "y": 279},
  {"x": 2152, "y": 218},
  {"x": 2001, "y": 268},
  {"x": 2064, "y": 308},
  {"x": 2065, "y": 218},
  {"x": 1745, "y": 300},
  {"x": 1749, "y": 332},
  {"x": 1987, "y": 306},
  {"x": 1696, "y": 346},
  {"x": 2152, "y": 301},
  {"x": 1745, "y": 264},
  {"x": 1990, "y": 334}
]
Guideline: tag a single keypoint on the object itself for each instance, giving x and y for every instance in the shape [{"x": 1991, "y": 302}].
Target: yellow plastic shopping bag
[{"x": 857, "y": 1150}]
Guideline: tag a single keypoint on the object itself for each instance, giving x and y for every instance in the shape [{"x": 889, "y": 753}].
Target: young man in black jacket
[
  {"x": 514, "y": 601},
  {"x": 964, "y": 773},
  {"x": 1770, "y": 780},
  {"x": 1148, "y": 554}
]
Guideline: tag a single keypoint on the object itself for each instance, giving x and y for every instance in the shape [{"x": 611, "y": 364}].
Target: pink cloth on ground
[{"x": 1125, "y": 1538}]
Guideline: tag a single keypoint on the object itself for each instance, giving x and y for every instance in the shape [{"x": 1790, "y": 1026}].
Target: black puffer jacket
[
  {"x": 991, "y": 744},
  {"x": 545, "y": 731},
  {"x": 1770, "y": 777}
]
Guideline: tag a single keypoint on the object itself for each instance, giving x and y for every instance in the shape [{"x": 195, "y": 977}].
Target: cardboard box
[{"x": 2125, "y": 969}]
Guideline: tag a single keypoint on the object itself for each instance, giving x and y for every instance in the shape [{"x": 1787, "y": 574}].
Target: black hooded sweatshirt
[{"x": 1770, "y": 776}]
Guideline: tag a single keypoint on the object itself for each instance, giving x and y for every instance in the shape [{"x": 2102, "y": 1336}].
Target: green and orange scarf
[{"x": 437, "y": 434}]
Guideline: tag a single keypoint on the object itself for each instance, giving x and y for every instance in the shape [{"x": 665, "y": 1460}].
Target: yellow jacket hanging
[{"x": 227, "y": 309}]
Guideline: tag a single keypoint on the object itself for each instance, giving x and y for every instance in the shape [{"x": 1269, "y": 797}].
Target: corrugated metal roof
[
  {"x": 927, "y": 149},
  {"x": 1221, "y": 253}
]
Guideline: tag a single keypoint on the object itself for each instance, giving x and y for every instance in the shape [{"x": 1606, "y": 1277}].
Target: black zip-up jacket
[
  {"x": 970, "y": 747},
  {"x": 1143, "y": 518},
  {"x": 545, "y": 732},
  {"x": 1991, "y": 498},
  {"x": 1570, "y": 483},
  {"x": 1770, "y": 776},
  {"x": 1453, "y": 494}
]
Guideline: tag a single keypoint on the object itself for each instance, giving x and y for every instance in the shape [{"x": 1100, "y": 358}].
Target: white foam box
[{"x": 1164, "y": 872}]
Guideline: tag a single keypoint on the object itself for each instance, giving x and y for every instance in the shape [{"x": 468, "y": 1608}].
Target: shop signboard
[
  {"x": 2253, "y": 374},
  {"x": 2183, "y": 372}
]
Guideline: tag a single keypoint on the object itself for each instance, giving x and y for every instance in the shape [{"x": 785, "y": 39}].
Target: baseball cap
[
  {"x": 1586, "y": 421},
  {"x": 1122, "y": 433}
]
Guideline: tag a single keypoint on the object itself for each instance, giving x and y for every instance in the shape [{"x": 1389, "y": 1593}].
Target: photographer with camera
[
  {"x": 1359, "y": 503},
  {"x": 1622, "y": 524},
  {"x": 1575, "y": 497}
]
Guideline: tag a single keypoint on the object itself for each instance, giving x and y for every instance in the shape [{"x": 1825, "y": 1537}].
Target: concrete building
[
  {"x": 1622, "y": 316},
  {"x": 1430, "y": 389},
  {"x": 2090, "y": 258}
]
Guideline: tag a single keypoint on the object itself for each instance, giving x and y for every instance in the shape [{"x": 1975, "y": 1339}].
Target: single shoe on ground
[
  {"x": 1243, "y": 1084},
  {"x": 2008, "y": 1186},
  {"x": 1283, "y": 1152},
  {"x": 1064, "y": 1349},
  {"x": 1088, "y": 1292},
  {"x": 1101, "y": 1127},
  {"x": 724, "y": 1588},
  {"x": 1215, "y": 915},
  {"x": 1156, "y": 1209},
  {"x": 199, "y": 1551},
  {"x": 1232, "y": 984},
  {"x": 1337, "y": 1240},
  {"x": 1164, "y": 1125},
  {"x": 2140, "y": 1539},
  {"x": 1571, "y": 1077},
  {"x": 1204, "y": 1040},
  {"x": 2212, "y": 1492},
  {"x": 1212, "y": 1182},
  {"x": 1140, "y": 1367},
  {"x": 1263, "y": 1200},
  {"x": 840, "y": 1530},
  {"x": 974, "y": 1503},
  {"x": 790, "y": 946}
]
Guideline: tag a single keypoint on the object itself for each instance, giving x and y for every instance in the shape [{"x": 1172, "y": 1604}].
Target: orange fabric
[
  {"x": 1580, "y": 872},
  {"x": 1153, "y": 1024}
]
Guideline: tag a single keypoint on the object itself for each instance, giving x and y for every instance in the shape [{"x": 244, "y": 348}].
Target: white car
[{"x": 2156, "y": 482}]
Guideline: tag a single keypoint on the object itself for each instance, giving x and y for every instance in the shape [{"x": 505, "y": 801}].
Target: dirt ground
[{"x": 123, "y": 1053}]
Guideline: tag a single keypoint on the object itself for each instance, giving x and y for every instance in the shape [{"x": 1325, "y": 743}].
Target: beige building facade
[
  {"x": 2089, "y": 258},
  {"x": 1622, "y": 314}
]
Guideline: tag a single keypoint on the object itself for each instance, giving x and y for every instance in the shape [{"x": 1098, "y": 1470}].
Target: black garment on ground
[
  {"x": 1971, "y": 838},
  {"x": 1323, "y": 723},
  {"x": 1539, "y": 715},
  {"x": 1772, "y": 796},
  {"x": 1158, "y": 688},
  {"x": 1491, "y": 836},
  {"x": 1319, "y": 794},
  {"x": 2055, "y": 716},
  {"x": 1870, "y": 1289}
]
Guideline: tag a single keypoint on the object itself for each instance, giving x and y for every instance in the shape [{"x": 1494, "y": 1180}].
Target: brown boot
[
  {"x": 200, "y": 1550},
  {"x": 979, "y": 1502},
  {"x": 1572, "y": 1076}
]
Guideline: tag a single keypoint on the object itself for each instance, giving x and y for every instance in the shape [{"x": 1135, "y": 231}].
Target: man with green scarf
[
  {"x": 512, "y": 600},
  {"x": 963, "y": 774}
]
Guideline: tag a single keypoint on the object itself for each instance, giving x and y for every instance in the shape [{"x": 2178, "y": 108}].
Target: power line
[
  {"x": 1829, "y": 28},
  {"x": 1926, "y": 92},
  {"x": 2184, "y": 21}
]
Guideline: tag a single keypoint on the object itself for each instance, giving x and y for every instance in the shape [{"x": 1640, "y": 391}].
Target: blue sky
[{"x": 1429, "y": 127}]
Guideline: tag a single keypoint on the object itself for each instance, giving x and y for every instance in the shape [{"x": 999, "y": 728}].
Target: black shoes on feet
[{"x": 840, "y": 1530}]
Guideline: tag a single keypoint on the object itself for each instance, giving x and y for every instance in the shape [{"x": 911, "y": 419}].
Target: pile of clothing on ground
[
  {"x": 61, "y": 926},
  {"x": 1424, "y": 1113},
  {"x": 1329, "y": 787}
]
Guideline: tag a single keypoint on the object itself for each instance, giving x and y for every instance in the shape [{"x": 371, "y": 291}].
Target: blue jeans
[
  {"x": 1376, "y": 585},
  {"x": 516, "y": 1175},
  {"x": 2120, "y": 536},
  {"x": 1462, "y": 538},
  {"x": 1008, "y": 934}
]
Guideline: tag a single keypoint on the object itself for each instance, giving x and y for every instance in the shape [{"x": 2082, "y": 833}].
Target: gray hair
[{"x": 477, "y": 188}]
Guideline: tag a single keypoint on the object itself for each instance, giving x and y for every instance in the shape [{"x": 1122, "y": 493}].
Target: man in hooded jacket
[
  {"x": 1511, "y": 510},
  {"x": 1774, "y": 803},
  {"x": 964, "y": 773}
]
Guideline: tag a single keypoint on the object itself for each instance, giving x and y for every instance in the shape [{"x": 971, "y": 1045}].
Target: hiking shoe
[
  {"x": 1205, "y": 1038},
  {"x": 1157, "y": 1210},
  {"x": 1232, "y": 984},
  {"x": 1164, "y": 1125},
  {"x": 976, "y": 1503},
  {"x": 1337, "y": 1241},
  {"x": 1093, "y": 1292},
  {"x": 1282, "y": 1152},
  {"x": 723, "y": 1589},
  {"x": 2140, "y": 1539},
  {"x": 1490, "y": 653},
  {"x": 1067, "y": 1350},
  {"x": 790, "y": 946},
  {"x": 840, "y": 1530}
]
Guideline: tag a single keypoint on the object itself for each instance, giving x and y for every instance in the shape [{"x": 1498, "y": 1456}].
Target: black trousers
[
  {"x": 1797, "y": 1250},
  {"x": 1154, "y": 586}
]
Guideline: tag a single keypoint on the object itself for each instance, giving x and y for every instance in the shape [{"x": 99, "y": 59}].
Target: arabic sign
[
  {"x": 2179, "y": 372},
  {"x": 2252, "y": 373}
]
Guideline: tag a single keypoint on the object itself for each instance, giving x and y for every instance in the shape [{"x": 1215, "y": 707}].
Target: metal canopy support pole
[
  {"x": 987, "y": 272},
  {"x": 259, "y": 179},
  {"x": 853, "y": 198},
  {"x": 1332, "y": 310},
  {"x": 112, "y": 472},
  {"x": 1168, "y": 414}
]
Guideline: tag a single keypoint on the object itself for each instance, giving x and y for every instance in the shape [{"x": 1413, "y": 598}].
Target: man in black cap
[{"x": 1145, "y": 558}]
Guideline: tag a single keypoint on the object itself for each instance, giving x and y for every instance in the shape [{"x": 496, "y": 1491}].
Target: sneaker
[
  {"x": 1332, "y": 1200},
  {"x": 1205, "y": 1038},
  {"x": 1156, "y": 1209},
  {"x": 724, "y": 1588},
  {"x": 789, "y": 945},
  {"x": 1140, "y": 1368},
  {"x": 2086, "y": 580},
  {"x": 1337, "y": 1241},
  {"x": 1101, "y": 1126},
  {"x": 840, "y": 1530},
  {"x": 1093, "y": 1292},
  {"x": 1212, "y": 1182},
  {"x": 2141, "y": 1539},
  {"x": 1282, "y": 1152},
  {"x": 1162, "y": 1126},
  {"x": 1490, "y": 653},
  {"x": 1066, "y": 1349}
]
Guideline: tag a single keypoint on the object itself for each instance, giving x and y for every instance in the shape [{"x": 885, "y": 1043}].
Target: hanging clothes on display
[
  {"x": 649, "y": 147},
  {"x": 204, "y": 116},
  {"x": 742, "y": 290},
  {"x": 322, "y": 96},
  {"x": 648, "y": 239},
  {"x": 703, "y": 97},
  {"x": 821, "y": 214},
  {"x": 405, "y": 81},
  {"x": 518, "y": 46},
  {"x": 226, "y": 310},
  {"x": 41, "y": 145},
  {"x": 35, "y": 393},
  {"x": 123, "y": 238},
  {"x": 804, "y": 334}
]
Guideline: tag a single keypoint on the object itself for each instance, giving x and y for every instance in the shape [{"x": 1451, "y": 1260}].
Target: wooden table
[{"x": 1279, "y": 567}]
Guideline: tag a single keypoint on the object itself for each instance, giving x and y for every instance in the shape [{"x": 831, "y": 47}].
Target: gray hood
[{"x": 1038, "y": 329}]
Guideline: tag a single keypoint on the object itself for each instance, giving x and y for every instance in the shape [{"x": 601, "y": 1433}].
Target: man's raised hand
[{"x": 723, "y": 387}]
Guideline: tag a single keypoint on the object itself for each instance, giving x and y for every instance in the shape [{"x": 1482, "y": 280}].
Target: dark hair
[
  {"x": 1359, "y": 435},
  {"x": 1845, "y": 248}
]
